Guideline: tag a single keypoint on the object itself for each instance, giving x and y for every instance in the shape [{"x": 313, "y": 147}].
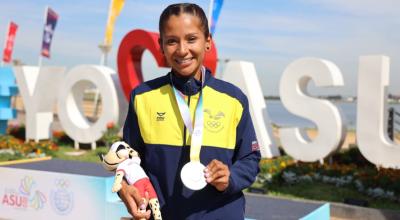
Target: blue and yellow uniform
[{"x": 155, "y": 129}]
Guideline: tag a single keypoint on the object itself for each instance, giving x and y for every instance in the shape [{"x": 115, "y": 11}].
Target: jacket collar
[{"x": 188, "y": 86}]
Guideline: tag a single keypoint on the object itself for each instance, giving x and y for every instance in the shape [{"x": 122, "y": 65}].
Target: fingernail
[
  {"x": 206, "y": 170},
  {"x": 207, "y": 174}
]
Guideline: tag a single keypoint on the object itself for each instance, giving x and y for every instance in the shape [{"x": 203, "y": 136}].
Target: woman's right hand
[{"x": 132, "y": 199}]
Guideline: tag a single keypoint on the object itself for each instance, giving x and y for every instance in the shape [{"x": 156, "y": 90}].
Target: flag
[
  {"x": 48, "y": 32},
  {"x": 115, "y": 9},
  {"x": 9, "y": 43},
  {"x": 216, "y": 9}
]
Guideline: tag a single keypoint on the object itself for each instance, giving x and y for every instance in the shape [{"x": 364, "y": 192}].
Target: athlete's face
[{"x": 184, "y": 44}]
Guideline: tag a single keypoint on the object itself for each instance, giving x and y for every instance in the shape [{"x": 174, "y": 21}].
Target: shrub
[
  {"x": 19, "y": 149},
  {"x": 61, "y": 138},
  {"x": 348, "y": 168},
  {"x": 16, "y": 130},
  {"x": 111, "y": 134}
]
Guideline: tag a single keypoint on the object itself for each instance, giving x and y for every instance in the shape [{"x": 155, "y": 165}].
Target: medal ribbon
[{"x": 197, "y": 131}]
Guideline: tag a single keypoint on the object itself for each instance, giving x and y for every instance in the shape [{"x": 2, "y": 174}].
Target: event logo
[
  {"x": 61, "y": 199},
  {"x": 38, "y": 200},
  {"x": 13, "y": 199},
  {"x": 23, "y": 198},
  {"x": 161, "y": 116},
  {"x": 214, "y": 123},
  {"x": 26, "y": 185}
]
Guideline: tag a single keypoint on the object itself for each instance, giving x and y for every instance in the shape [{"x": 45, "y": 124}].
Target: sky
[{"x": 269, "y": 33}]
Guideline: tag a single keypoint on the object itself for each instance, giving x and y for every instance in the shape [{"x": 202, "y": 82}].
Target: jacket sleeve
[
  {"x": 247, "y": 155},
  {"x": 131, "y": 130}
]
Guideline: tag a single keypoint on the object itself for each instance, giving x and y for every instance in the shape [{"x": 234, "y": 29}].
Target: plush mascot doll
[{"x": 126, "y": 162}]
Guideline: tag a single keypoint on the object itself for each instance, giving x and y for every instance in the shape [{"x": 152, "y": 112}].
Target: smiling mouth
[{"x": 183, "y": 61}]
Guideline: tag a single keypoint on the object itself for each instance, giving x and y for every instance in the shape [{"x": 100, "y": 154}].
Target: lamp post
[
  {"x": 105, "y": 49},
  {"x": 220, "y": 62}
]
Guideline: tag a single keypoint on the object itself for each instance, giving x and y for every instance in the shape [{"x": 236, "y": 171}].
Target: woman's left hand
[{"x": 217, "y": 174}]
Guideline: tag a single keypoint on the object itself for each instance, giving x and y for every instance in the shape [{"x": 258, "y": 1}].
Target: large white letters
[
  {"x": 123, "y": 104},
  {"x": 41, "y": 87},
  {"x": 323, "y": 113},
  {"x": 372, "y": 138},
  {"x": 38, "y": 88},
  {"x": 243, "y": 74},
  {"x": 70, "y": 97}
]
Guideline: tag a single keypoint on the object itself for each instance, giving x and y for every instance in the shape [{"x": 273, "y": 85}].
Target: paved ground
[
  {"x": 66, "y": 166},
  {"x": 265, "y": 207}
]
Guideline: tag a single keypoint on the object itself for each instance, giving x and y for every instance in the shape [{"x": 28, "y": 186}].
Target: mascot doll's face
[{"x": 118, "y": 152}]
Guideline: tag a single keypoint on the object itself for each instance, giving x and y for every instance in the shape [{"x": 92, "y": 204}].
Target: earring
[{"x": 207, "y": 48}]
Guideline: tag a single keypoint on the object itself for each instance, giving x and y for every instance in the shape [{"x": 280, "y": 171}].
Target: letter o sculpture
[{"x": 69, "y": 105}]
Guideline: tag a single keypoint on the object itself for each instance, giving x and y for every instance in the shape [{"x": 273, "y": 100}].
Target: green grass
[
  {"x": 88, "y": 156},
  {"x": 326, "y": 192},
  {"x": 8, "y": 157}
]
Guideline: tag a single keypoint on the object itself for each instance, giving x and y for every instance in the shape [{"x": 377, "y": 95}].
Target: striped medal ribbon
[{"x": 192, "y": 173}]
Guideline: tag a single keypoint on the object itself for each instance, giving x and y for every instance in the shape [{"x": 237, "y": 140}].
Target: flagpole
[
  {"x": 44, "y": 24},
  {"x": 5, "y": 43},
  {"x": 40, "y": 61},
  {"x": 103, "y": 58},
  {"x": 105, "y": 49},
  {"x": 210, "y": 9}
]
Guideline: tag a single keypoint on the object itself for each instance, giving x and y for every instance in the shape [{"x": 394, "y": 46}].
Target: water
[{"x": 281, "y": 117}]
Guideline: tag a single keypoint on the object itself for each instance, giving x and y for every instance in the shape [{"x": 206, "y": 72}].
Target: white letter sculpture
[
  {"x": 323, "y": 113},
  {"x": 70, "y": 108},
  {"x": 122, "y": 102},
  {"x": 39, "y": 90},
  {"x": 243, "y": 74},
  {"x": 372, "y": 115}
]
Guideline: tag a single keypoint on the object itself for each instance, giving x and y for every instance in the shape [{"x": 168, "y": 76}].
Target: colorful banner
[
  {"x": 35, "y": 194},
  {"x": 216, "y": 9},
  {"x": 50, "y": 25},
  {"x": 115, "y": 9},
  {"x": 9, "y": 43}
]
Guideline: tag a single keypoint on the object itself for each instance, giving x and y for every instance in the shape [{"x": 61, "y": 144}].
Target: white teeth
[{"x": 183, "y": 61}]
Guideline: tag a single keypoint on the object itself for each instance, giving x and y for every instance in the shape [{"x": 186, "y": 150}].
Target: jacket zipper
[{"x": 184, "y": 127}]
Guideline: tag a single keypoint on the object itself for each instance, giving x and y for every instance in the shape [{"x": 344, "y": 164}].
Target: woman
[{"x": 173, "y": 149}]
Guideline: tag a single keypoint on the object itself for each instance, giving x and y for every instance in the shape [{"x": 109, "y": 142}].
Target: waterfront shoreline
[{"x": 349, "y": 141}]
